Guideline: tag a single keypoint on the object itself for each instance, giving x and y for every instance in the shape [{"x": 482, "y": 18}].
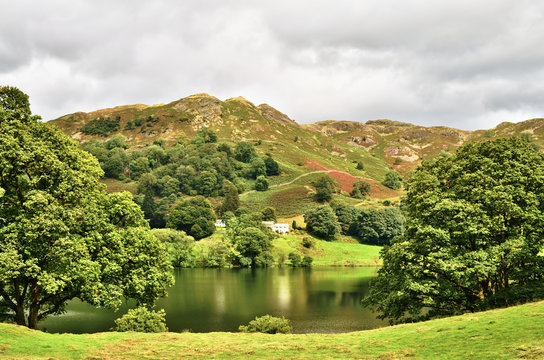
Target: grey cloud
[{"x": 455, "y": 63}]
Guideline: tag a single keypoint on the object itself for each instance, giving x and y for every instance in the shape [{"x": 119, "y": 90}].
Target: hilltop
[{"x": 304, "y": 151}]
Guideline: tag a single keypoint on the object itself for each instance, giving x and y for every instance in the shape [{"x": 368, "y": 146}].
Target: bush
[
  {"x": 306, "y": 261},
  {"x": 269, "y": 325},
  {"x": 295, "y": 259},
  {"x": 308, "y": 242},
  {"x": 142, "y": 320},
  {"x": 322, "y": 222},
  {"x": 261, "y": 184},
  {"x": 101, "y": 127},
  {"x": 392, "y": 180}
]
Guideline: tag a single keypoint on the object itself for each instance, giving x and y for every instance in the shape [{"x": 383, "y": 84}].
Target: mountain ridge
[{"x": 380, "y": 145}]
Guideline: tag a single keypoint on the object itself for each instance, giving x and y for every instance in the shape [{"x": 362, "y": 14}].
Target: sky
[{"x": 465, "y": 64}]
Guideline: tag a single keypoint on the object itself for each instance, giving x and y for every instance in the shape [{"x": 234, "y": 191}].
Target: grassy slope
[
  {"x": 343, "y": 251},
  {"x": 516, "y": 332}
]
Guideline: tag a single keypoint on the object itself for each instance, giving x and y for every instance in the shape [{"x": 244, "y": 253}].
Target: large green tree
[
  {"x": 194, "y": 216},
  {"x": 322, "y": 222},
  {"x": 474, "y": 231},
  {"x": 61, "y": 235}
]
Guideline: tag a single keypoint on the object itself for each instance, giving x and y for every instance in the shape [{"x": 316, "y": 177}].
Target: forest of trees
[{"x": 200, "y": 166}]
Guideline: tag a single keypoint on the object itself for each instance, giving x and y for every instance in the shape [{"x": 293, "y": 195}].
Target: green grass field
[
  {"x": 512, "y": 333},
  {"x": 343, "y": 251}
]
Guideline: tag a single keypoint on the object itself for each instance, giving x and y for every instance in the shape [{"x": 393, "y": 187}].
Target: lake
[{"x": 316, "y": 300}]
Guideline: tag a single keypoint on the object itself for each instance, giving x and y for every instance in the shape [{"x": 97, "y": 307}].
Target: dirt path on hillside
[{"x": 306, "y": 174}]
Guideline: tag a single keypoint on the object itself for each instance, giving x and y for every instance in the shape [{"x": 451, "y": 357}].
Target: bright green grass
[
  {"x": 344, "y": 251},
  {"x": 516, "y": 332}
]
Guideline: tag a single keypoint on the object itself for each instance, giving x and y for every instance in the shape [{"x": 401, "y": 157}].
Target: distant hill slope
[{"x": 380, "y": 145}]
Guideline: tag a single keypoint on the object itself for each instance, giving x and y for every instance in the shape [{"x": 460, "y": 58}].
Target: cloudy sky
[{"x": 466, "y": 64}]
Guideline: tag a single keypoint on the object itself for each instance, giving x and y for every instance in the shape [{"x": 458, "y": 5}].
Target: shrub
[
  {"x": 142, "y": 320},
  {"x": 306, "y": 261},
  {"x": 308, "y": 242},
  {"x": 295, "y": 259},
  {"x": 101, "y": 127},
  {"x": 261, "y": 184},
  {"x": 392, "y": 180},
  {"x": 269, "y": 325},
  {"x": 322, "y": 222}
]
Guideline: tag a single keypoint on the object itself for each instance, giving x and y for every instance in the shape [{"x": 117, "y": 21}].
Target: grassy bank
[
  {"x": 343, "y": 251},
  {"x": 516, "y": 332}
]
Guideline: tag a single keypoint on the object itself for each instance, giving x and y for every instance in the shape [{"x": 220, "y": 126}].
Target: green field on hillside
[
  {"x": 343, "y": 251},
  {"x": 516, "y": 332}
]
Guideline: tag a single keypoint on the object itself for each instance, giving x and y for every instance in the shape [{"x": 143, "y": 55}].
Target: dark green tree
[
  {"x": 322, "y": 222},
  {"x": 139, "y": 167},
  {"x": 325, "y": 187},
  {"x": 272, "y": 166},
  {"x": 345, "y": 214},
  {"x": 256, "y": 168},
  {"x": 392, "y": 180},
  {"x": 261, "y": 184},
  {"x": 474, "y": 231},
  {"x": 206, "y": 183},
  {"x": 361, "y": 189},
  {"x": 377, "y": 227},
  {"x": 269, "y": 214},
  {"x": 62, "y": 236},
  {"x": 194, "y": 216},
  {"x": 244, "y": 152},
  {"x": 231, "y": 199},
  {"x": 254, "y": 246}
]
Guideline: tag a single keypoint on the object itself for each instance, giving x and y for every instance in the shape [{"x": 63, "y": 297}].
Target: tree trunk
[
  {"x": 34, "y": 307},
  {"x": 20, "y": 315}
]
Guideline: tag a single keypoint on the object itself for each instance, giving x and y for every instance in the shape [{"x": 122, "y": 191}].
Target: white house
[
  {"x": 220, "y": 223},
  {"x": 279, "y": 228}
]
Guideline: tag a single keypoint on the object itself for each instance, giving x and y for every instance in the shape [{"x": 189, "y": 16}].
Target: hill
[
  {"x": 304, "y": 152},
  {"x": 514, "y": 332}
]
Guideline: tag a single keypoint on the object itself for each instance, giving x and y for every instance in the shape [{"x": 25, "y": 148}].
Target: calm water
[{"x": 323, "y": 300}]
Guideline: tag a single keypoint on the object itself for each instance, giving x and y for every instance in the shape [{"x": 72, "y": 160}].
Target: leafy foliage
[
  {"x": 254, "y": 246},
  {"x": 61, "y": 235},
  {"x": 231, "y": 200},
  {"x": 102, "y": 127},
  {"x": 180, "y": 246},
  {"x": 194, "y": 216},
  {"x": 262, "y": 183},
  {"x": 13, "y": 99},
  {"x": 377, "y": 227},
  {"x": 361, "y": 188},
  {"x": 272, "y": 166},
  {"x": 322, "y": 222},
  {"x": 269, "y": 325},
  {"x": 244, "y": 152},
  {"x": 392, "y": 180},
  {"x": 474, "y": 231},
  {"x": 142, "y": 319},
  {"x": 325, "y": 187}
]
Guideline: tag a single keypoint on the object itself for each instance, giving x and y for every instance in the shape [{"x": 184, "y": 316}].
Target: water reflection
[{"x": 324, "y": 300}]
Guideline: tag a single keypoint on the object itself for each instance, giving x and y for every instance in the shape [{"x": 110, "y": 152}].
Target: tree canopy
[
  {"x": 194, "y": 216},
  {"x": 392, "y": 180},
  {"x": 322, "y": 222},
  {"x": 61, "y": 235},
  {"x": 474, "y": 230}
]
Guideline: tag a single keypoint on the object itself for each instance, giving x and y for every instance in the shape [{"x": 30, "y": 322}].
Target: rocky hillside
[{"x": 303, "y": 151}]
